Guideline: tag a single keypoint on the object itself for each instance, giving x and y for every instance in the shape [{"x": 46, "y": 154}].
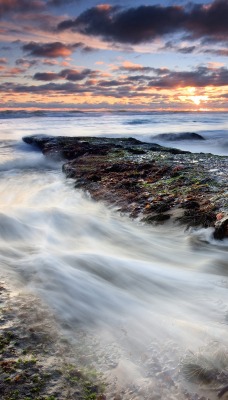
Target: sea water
[{"x": 144, "y": 297}]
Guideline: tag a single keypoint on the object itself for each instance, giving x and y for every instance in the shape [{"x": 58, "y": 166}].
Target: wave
[
  {"x": 11, "y": 114},
  {"x": 146, "y": 293},
  {"x": 138, "y": 122},
  {"x": 37, "y": 162}
]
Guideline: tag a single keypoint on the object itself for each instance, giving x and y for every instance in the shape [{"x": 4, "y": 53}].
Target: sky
[{"x": 130, "y": 55}]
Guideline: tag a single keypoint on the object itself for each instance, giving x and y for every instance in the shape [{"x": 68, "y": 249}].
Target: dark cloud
[
  {"x": 200, "y": 77},
  {"x": 209, "y": 20},
  {"x": 138, "y": 68},
  {"x": 26, "y": 63},
  {"x": 42, "y": 89},
  {"x": 118, "y": 87},
  {"x": 112, "y": 83},
  {"x": 56, "y": 49},
  {"x": 88, "y": 49},
  {"x": 57, "y": 3},
  {"x": 77, "y": 45},
  {"x": 46, "y": 76},
  {"x": 81, "y": 46},
  {"x": 68, "y": 74},
  {"x": 144, "y": 23},
  {"x": 133, "y": 25},
  {"x": 27, "y": 6},
  {"x": 217, "y": 52},
  {"x": 170, "y": 46},
  {"x": 53, "y": 50},
  {"x": 168, "y": 79},
  {"x": 186, "y": 49},
  {"x": 72, "y": 75},
  {"x": 23, "y": 6}
]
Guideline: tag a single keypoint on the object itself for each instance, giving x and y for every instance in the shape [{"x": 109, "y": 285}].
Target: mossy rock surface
[{"x": 144, "y": 179}]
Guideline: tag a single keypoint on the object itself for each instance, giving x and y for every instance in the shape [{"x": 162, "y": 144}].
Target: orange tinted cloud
[
  {"x": 104, "y": 7},
  {"x": 131, "y": 65}
]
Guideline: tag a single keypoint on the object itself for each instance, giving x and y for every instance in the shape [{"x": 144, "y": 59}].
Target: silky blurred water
[{"x": 134, "y": 288}]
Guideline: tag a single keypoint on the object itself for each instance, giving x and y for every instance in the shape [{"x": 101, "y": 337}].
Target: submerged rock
[{"x": 179, "y": 136}]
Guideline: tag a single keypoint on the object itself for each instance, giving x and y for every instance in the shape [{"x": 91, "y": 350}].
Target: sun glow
[
  {"x": 192, "y": 97},
  {"x": 198, "y": 99}
]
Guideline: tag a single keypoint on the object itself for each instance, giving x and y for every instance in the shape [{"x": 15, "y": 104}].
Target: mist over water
[{"x": 135, "y": 291}]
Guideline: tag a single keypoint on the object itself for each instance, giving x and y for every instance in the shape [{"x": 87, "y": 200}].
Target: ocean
[{"x": 145, "y": 297}]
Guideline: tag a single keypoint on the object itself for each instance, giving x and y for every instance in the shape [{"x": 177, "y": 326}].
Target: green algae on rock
[{"x": 36, "y": 362}]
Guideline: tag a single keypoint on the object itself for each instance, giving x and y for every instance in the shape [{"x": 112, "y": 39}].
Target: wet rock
[
  {"x": 159, "y": 207},
  {"x": 190, "y": 204},
  {"x": 179, "y": 136},
  {"x": 135, "y": 151},
  {"x": 197, "y": 217},
  {"x": 221, "y": 228},
  {"x": 145, "y": 180},
  {"x": 158, "y": 218},
  {"x": 222, "y": 392},
  {"x": 37, "y": 140}
]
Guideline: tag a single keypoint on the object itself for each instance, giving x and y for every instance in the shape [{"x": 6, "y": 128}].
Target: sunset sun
[{"x": 198, "y": 99}]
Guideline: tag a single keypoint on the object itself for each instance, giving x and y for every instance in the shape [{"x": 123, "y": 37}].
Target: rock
[
  {"x": 190, "y": 204},
  {"x": 158, "y": 218},
  {"x": 179, "y": 136},
  {"x": 222, "y": 391},
  {"x": 145, "y": 180},
  {"x": 221, "y": 228},
  {"x": 37, "y": 140}
]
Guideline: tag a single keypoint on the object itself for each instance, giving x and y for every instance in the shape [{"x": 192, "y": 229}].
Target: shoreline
[{"x": 146, "y": 181}]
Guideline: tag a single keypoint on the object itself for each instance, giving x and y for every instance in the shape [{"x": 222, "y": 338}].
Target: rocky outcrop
[
  {"x": 72, "y": 147},
  {"x": 148, "y": 181}
]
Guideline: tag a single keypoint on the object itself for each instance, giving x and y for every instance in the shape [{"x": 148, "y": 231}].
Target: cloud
[
  {"x": 22, "y": 6},
  {"x": 145, "y": 23},
  {"x": 46, "y": 76},
  {"x": 3, "y": 60},
  {"x": 132, "y": 67},
  {"x": 143, "y": 86},
  {"x": 12, "y": 72},
  {"x": 217, "y": 52},
  {"x": 68, "y": 74},
  {"x": 67, "y": 88},
  {"x": 209, "y": 20},
  {"x": 186, "y": 49},
  {"x": 26, "y": 63},
  {"x": 200, "y": 77},
  {"x": 133, "y": 25},
  {"x": 164, "y": 78},
  {"x": 58, "y": 3},
  {"x": 52, "y": 50}
]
